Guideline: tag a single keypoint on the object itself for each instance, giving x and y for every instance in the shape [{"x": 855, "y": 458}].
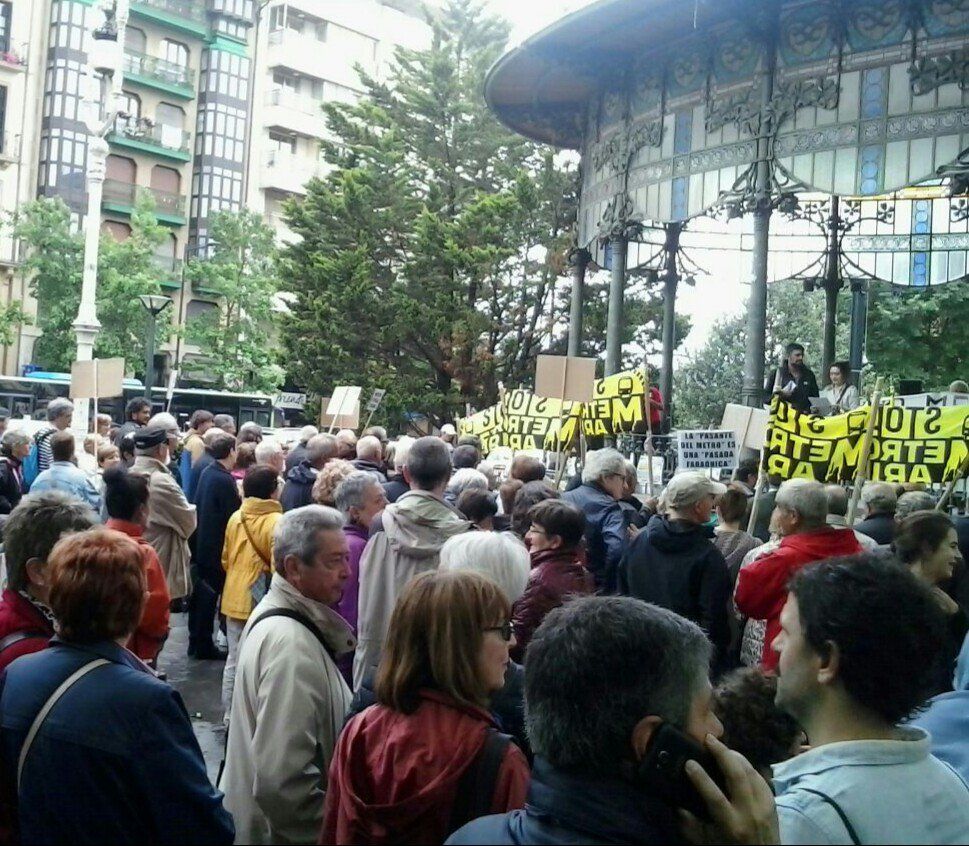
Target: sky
[{"x": 529, "y": 16}]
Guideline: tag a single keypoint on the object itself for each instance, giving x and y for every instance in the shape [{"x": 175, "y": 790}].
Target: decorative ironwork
[
  {"x": 721, "y": 112},
  {"x": 617, "y": 220},
  {"x": 930, "y": 72},
  {"x": 958, "y": 175},
  {"x": 617, "y": 152},
  {"x": 959, "y": 210}
]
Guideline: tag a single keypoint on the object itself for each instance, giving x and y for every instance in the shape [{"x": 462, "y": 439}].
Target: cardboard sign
[
  {"x": 566, "y": 378},
  {"x": 290, "y": 400},
  {"x": 350, "y": 419},
  {"x": 376, "y": 399},
  {"x": 172, "y": 382},
  {"x": 701, "y": 450},
  {"x": 99, "y": 378},
  {"x": 749, "y": 424}
]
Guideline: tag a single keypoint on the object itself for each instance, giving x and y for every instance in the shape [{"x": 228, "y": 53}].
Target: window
[
  {"x": 5, "y": 14},
  {"x": 199, "y": 308},
  {"x": 135, "y": 40},
  {"x": 166, "y": 179},
  {"x": 117, "y": 230},
  {"x": 131, "y": 105},
  {"x": 282, "y": 143},
  {"x": 3, "y": 117},
  {"x": 175, "y": 52},
  {"x": 168, "y": 115},
  {"x": 121, "y": 169},
  {"x": 277, "y": 18},
  {"x": 286, "y": 81}
]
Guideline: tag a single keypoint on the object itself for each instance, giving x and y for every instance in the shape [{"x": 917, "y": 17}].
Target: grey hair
[
  {"x": 308, "y": 432},
  {"x": 351, "y": 491},
  {"x": 806, "y": 498},
  {"x": 462, "y": 480},
  {"x": 12, "y": 439},
  {"x": 632, "y": 476},
  {"x": 912, "y": 501},
  {"x": 320, "y": 449},
  {"x": 297, "y": 532},
  {"x": 58, "y": 407},
  {"x": 401, "y": 449},
  {"x": 266, "y": 449},
  {"x": 500, "y": 556},
  {"x": 837, "y": 500},
  {"x": 879, "y": 498},
  {"x": 652, "y": 661},
  {"x": 163, "y": 420},
  {"x": 601, "y": 463},
  {"x": 369, "y": 448}
]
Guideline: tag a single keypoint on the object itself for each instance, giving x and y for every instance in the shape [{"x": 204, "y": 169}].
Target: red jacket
[
  {"x": 152, "y": 631},
  {"x": 18, "y": 615},
  {"x": 556, "y": 575},
  {"x": 762, "y": 586},
  {"x": 394, "y": 776}
]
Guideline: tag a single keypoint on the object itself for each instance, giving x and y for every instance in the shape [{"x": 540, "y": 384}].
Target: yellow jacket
[{"x": 243, "y": 565}]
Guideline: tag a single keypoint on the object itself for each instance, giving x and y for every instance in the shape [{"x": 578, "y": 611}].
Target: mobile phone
[{"x": 662, "y": 769}]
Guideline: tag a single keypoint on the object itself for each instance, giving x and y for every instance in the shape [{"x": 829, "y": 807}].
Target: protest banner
[
  {"x": 702, "y": 450},
  {"x": 927, "y": 446},
  {"x": 532, "y": 422},
  {"x": 485, "y": 425},
  {"x": 617, "y": 404}
]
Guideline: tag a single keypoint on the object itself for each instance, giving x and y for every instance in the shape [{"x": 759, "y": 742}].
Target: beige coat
[
  {"x": 287, "y": 711},
  {"x": 171, "y": 521}
]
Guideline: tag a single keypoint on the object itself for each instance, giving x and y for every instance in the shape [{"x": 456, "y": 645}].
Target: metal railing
[
  {"x": 126, "y": 194},
  {"x": 158, "y": 69},
  {"x": 170, "y": 266},
  {"x": 142, "y": 129},
  {"x": 194, "y": 10},
  {"x": 292, "y": 100}
]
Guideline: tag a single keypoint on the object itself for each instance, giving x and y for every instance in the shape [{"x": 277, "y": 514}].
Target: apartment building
[
  {"x": 182, "y": 139},
  {"x": 306, "y": 55}
]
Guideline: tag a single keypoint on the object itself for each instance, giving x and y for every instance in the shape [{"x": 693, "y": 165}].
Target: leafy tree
[
  {"x": 241, "y": 272},
  {"x": 429, "y": 255},
  {"x": 12, "y": 315},
  {"x": 54, "y": 262}
]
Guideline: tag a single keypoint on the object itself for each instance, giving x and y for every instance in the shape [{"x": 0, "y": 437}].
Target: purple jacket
[{"x": 357, "y": 537}]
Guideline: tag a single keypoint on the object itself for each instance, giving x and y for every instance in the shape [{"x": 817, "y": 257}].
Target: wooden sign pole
[
  {"x": 761, "y": 470},
  {"x": 861, "y": 476}
]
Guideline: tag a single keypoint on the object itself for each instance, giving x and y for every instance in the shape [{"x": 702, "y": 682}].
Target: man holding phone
[{"x": 619, "y": 712}]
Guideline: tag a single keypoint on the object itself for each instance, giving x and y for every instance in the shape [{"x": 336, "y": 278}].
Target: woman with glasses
[{"x": 428, "y": 757}]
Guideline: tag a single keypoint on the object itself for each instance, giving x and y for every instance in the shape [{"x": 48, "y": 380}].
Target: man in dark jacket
[
  {"x": 298, "y": 490},
  {"x": 298, "y": 452},
  {"x": 797, "y": 381},
  {"x": 674, "y": 564},
  {"x": 370, "y": 458},
  {"x": 216, "y": 499},
  {"x": 879, "y": 500},
  {"x": 603, "y": 485},
  {"x": 397, "y": 484},
  {"x": 587, "y": 745},
  {"x": 137, "y": 413},
  {"x": 34, "y": 526}
]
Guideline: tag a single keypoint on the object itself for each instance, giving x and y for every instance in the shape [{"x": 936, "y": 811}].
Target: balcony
[
  {"x": 288, "y": 110},
  {"x": 153, "y": 72},
  {"x": 9, "y": 150},
  {"x": 187, "y": 16},
  {"x": 13, "y": 59},
  {"x": 120, "y": 197},
  {"x": 170, "y": 270},
  {"x": 288, "y": 173},
  {"x": 146, "y": 136},
  {"x": 314, "y": 58}
]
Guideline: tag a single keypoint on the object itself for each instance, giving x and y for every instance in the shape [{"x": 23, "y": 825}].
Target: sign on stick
[
  {"x": 700, "y": 450},
  {"x": 99, "y": 378},
  {"x": 565, "y": 377},
  {"x": 376, "y": 399},
  {"x": 288, "y": 400}
]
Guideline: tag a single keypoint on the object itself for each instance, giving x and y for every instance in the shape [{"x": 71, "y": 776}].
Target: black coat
[
  {"x": 879, "y": 527},
  {"x": 296, "y": 455},
  {"x": 805, "y": 386},
  {"x": 395, "y": 488},
  {"x": 216, "y": 499},
  {"x": 605, "y": 533},
  {"x": 11, "y": 489},
  {"x": 674, "y": 564},
  {"x": 298, "y": 490}
]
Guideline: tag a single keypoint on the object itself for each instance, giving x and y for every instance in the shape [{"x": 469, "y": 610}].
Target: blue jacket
[
  {"x": 66, "y": 477},
  {"x": 571, "y": 808},
  {"x": 217, "y": 499},
  {"x": 605, "y": 533},
  {"x": 114, "y": 762},
  {"x": 195, "y": 471}
]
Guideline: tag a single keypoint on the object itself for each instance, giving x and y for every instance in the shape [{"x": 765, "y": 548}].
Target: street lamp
[{"x": 155, "y": 304}]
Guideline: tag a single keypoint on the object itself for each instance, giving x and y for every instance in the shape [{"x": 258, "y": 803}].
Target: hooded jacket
[
  {"x": 605, "y": 532},
  {"x": 366, "y": 466},
  {"x": 244, "y": 563},
  {"x": 556, "y": 575},
  {"x": 298, "y": 490},
  {"x": 674, "y": 564},
  {"x": 394, "y": 776},
  {"x": 414, "y": 530},
  {"x": 762, "y": 586}
]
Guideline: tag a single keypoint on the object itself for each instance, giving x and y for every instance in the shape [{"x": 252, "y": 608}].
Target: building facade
[{"x": 307, "y": 54}]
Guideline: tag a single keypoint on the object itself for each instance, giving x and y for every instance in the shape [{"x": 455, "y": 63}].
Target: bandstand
[{"x": 820, "y": 111}]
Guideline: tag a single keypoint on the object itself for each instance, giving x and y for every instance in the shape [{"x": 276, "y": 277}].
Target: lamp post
[
  {"x": 154, "y": 304},
  {"x": 104, "y": 104}
]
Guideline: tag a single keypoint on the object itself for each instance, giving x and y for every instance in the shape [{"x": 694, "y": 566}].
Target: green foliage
[
  {"x": 919, "y": 334},
  {"x": 429, "y": 255},
  {"x": 12, "y": 315},
  {"x": 241, "y": 272},
  {"x": 54, "y": 264},
  {"x": 713, "y": 376}
]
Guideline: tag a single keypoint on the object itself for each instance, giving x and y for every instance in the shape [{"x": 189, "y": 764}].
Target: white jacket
[{"x": 287, "y": 711}]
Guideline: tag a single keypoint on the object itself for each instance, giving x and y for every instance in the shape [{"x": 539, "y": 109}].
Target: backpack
[{"x": 31, "y": 464}]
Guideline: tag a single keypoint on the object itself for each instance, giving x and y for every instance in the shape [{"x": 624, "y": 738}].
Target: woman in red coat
[
  {"x": 126, "y": 501},
  {"x": 558, "y": 568},
  {"x": 428, "y": 758}
]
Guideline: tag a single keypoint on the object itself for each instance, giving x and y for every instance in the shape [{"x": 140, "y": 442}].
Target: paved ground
[{"x": 200, "y": 683}]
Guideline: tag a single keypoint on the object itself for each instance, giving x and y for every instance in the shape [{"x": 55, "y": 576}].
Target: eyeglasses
[{"x": 505, "y": 630}]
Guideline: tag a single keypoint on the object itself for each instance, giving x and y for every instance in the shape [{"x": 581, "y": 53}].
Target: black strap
[
  {"x": 837, "y": 808},
  {"x": 302, "y": 619},
  {"x": 17, "y": 637},
  {"x": 476, "y": 789}
]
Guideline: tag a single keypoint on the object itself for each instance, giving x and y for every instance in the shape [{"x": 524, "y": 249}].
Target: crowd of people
[{"x": 422, "y": 646}]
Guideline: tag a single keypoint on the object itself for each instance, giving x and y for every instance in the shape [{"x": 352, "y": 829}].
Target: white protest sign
[
  {"x": 376, "y": 399},
  {"x": 701, "y": 450},
  {"x": 344, "y": 405},
  {"x": 290, "y": 400}
]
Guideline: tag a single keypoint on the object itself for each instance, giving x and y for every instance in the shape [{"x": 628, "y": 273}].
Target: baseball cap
[{"x": 684, "y": 489}]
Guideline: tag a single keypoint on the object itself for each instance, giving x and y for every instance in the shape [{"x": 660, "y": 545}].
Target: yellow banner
[{"x": 927, "y": 446}]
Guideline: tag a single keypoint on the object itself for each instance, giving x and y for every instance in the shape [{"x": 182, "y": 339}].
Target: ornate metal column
[
  {"x": 670, "y": 282},
  {"x": 580, "y": 259},
  {"x": 832, "y": 283},
  {"x": 618, "y": 246},
  {"x": 859, "y": 327}
]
